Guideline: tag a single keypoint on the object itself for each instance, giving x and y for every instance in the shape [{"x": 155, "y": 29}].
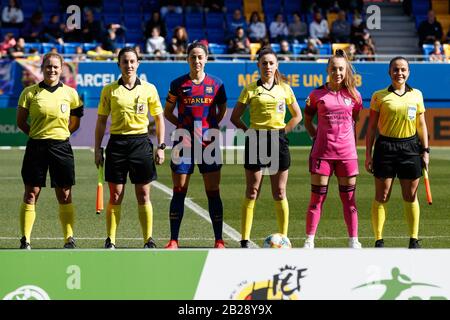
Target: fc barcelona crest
[{"x": 208, "y": 89}]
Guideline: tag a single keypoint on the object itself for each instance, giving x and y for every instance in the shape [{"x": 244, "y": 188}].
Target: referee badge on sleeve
[{"x": 64, "y": 107}]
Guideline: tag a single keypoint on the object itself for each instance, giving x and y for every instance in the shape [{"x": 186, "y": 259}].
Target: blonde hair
[
  {"x": 49, "y": 55},
  {"x": 349, "y": 80},
  {"x": 278, "y": 77}
]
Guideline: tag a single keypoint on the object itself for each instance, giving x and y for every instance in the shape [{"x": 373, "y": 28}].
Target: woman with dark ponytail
[{"x": 267, "y": 99}]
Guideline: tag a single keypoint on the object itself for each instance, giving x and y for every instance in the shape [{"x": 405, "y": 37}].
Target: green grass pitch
[{"x": 196, "y": 232}]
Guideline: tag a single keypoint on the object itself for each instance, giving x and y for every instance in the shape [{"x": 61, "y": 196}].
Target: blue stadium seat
[
  {"x": 214, "y": 21},
  {"x": 133, "y": 21},
  {"x": 420, "y": 7},
  {"x": 47, "y": 46},
  {"x": 14, "y": 31},
  {"x": 112, "y": 7},
  {"x": 272, "y": 6},
  {"x": 275, "y": 47},
  {"x": 132, "y": 7},
  {"x": 173, "y": 20},
  {"x": 216, "y": 35},
  {"x": 290, "y": 6},
  {"x": 30, "y": 45},
  {"x": 298, "y": 47},
  {"x": 194, "y": 20},
  {"x": 216, "y": 48},
  {"x": 50, "y": 6},
  {"x": 112, "y": 18},
  {"x": 134, "y": 36},
  {"x": 28, "y": 7},
  {"x": 89, "y": 46},
  {"x": 70, "y": 47},
  {"x": 232, "y": 5},
  {"x": 324, "y": 48},
  {"x": 427, "y": 49},
  {"x": 149, "y": 6},
  {"x": 195, "y": 34}
]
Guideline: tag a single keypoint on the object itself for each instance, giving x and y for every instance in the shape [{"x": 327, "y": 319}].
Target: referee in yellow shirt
[
  {"x": 54, "y": 111},
  {"x": 267, "y": 99},
  {"x": 400, "y": 150},
  {"x": 129, "y": 151}
]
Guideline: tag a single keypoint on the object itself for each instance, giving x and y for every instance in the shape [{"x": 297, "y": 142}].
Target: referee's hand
[
  {"x": 369, "y": 165},
  {"x": 159, "y": 157},
  {"x": 99, "y": 157}
]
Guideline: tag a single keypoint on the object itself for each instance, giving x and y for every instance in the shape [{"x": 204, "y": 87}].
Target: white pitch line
[
  {"x": 229, "y": 231},
  {"x": 208, "y": 239}
]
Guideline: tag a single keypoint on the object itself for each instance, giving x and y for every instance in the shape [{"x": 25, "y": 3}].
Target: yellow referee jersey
[
  {"x": 267, "y": 106},
  {"x": 129, "y": 107},
  {"x": 49, "y": 109},
  {"x": 398, "y": 114}
]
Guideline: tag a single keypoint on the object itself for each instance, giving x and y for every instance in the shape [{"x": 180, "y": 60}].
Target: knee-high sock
[
  {"x": 112, "y": 220},
  {"x": 176, "y": 211},
  {"x": 215, "y": 208},
  {"x": 27, "y": 217},
  {"x": 282, "y": 212},
  {"x": 347, "y": 194},
  {"x": 146, "y": 220},
  {"x": 378, "y": 217},
  {"x": 318, "y": 196},
  {"x": 412, "y": 214},
  {"x": 247, "y": 209},
  {"x": 67, "y": 218}
]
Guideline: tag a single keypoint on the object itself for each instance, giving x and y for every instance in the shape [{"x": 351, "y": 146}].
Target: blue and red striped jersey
[{"x": 197, "y": 103}]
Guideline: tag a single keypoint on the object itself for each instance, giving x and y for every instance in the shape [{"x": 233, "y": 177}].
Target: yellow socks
[
  {"x": 112, "y": 221},
  {"x": 282, "y": 212},
  {"x": 146, "y": 220},
  {"x": 412, "y": 214},
  {"x": 27, "y": 217},
  {"x": 378, "y": 218},
  {"x": 67, "y": 218},
  {"x": 247, "y": 208}
]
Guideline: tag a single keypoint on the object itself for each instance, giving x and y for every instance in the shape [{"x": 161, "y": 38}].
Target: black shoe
[
  {"x": 70, "y": 244},
  {"x": 109, "y": 244},
  {"x": 379, "y": 243},
  {"x": 24, "y": 244},
  {"x": 244, "y": 244},
  {"x": 150, "y": 244},
  {"x": 414, "y": 243}
]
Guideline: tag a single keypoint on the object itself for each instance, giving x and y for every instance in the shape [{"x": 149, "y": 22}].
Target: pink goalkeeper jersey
[{"x": 335, "y": 137}]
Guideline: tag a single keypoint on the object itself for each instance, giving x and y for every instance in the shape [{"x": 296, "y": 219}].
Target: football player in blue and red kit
[{"x": 200, "y": 99}]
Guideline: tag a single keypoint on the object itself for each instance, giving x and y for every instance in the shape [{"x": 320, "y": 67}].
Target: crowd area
[{"x": 162, "y": 30}]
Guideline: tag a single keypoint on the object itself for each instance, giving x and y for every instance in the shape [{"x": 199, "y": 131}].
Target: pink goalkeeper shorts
[{"x": 341, "y": 168}]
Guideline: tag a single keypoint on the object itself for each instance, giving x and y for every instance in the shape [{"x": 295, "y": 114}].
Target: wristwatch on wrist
[
  {"x": 162, "y": 146},
  {"x": 427, "y": 150}
]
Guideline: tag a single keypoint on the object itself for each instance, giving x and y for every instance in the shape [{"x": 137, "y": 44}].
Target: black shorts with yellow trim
[
  {"x": 267, "y": 149},
  {"x": 397, "y": 157},
  {"x": 130, "y": 154},
  {"x": 42, "y": 155}
]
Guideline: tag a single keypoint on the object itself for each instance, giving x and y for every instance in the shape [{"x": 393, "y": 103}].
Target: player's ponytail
[
  {"x": 278, "y": 77},
  {"x": 349, "y": 80}
]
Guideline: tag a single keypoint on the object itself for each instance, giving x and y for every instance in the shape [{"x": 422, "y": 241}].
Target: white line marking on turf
[
  {"x": 207, "y": 239},
  {"x": 232, "y": 233}
]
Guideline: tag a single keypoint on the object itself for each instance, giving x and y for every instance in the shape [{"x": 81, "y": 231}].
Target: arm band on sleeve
[{"x": 78, "y": 112}]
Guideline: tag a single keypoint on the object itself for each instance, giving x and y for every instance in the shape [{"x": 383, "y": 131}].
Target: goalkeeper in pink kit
[{"x": 337, "y": 105}]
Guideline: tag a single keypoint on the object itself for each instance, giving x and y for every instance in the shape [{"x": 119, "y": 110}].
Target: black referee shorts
[
  {"x": 131, "y": 154},
  {"x": 277, "y": 150},
  {"x": 397, "y": 157},
  {"x": 47, "y": 154}
]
